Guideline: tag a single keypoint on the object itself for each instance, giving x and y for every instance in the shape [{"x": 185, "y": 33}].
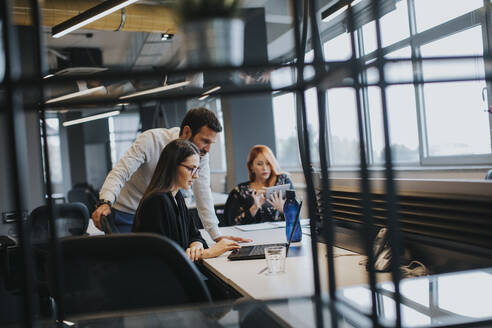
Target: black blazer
[{"x": 158, "y": 213}]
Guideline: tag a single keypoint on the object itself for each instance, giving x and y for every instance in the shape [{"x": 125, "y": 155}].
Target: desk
[{"x": 297, "y": 280}]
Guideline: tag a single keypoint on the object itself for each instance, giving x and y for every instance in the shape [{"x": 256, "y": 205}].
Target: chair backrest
[
  {"x": 227, "y": 219},
  {"x": 71, "y": 219},
  {"x": 108, "y": 224},
  {"x": 127, "y": 271},
  {"x": 84, "y": 194}
]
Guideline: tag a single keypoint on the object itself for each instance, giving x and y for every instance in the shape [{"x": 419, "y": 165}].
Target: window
[
  {"x": 454, "y": 112},
  {"x": 54, "y": 151},
  {"x": 434, "y": 123},
  {"x": 123, "y": 130},
  {"x": 402, "y": 118},
  {"x": 338, "y": 48},
  {"x": 284, "y": 115},
  {"x": 430, "y": 13},
  {"x": 217, "y": 151},
  {"x": 342, "y": 122},
  {"x": 394, "y": 25}
]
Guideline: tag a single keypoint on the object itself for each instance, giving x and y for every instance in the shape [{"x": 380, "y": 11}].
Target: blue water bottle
[{"x": 291, "y": 207}]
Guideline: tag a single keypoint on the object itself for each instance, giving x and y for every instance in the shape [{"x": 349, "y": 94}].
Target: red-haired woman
[{"x": 246, "y": 203}]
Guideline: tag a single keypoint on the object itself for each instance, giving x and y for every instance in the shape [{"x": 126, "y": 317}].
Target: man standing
[{"x": 126, "y": 183}]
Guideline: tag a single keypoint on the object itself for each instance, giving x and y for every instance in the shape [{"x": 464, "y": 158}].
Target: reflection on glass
[
  {"x": 338, "y": 48},
  {"x": 413, "y": 289},
  {"x": 313, "y": 123},
  {"x": 470, "y": 42},
  {"x": 394, "y": 25},
  {"x": 402, "y": 116},
  {"x": 281, "y": 77},
  {"x": 456, "y": 122},
  {"x": 370, "y": 41},
  {"x": 410, "y": 317},
  {"x": 284, "y": 116},
  {"x": 453, "y": 298},
  {"x": 342, "y": 121},
  {"x": 434, "y": 12},
  {"x": 399, "y": 71},
  {"x": 466, "y": 294}
]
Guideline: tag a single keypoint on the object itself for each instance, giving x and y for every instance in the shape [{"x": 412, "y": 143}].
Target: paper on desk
[
  {"x": 267, "y": 225},
  {"x": 281, "y": 224},
  {"x": 256, "y": 226}
]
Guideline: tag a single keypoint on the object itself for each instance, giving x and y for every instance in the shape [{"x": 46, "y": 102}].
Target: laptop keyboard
[{"x": 260, "y": 249}]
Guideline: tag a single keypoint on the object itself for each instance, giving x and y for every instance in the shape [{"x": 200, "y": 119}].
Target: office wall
[{"x": 248, "y": 120}]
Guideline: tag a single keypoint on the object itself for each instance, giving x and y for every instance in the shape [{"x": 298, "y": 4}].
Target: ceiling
[{"x": 146, "y": 49}]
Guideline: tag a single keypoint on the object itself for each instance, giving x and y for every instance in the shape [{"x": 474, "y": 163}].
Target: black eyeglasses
[{"x": 192, "y": 170}]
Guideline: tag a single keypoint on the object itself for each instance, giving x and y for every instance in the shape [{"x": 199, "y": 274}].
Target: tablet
[{"x": 282, "y": 188}]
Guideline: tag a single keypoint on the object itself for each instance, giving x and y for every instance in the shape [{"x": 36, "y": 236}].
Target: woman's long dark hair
[{"x": 164, "y": 176}]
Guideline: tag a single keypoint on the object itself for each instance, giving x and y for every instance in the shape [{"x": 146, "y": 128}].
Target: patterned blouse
[{"x": 240, "y": 200}]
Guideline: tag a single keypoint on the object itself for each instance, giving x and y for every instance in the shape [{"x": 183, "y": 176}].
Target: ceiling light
[
  {"x": 90, "y": 15},
  {"x": 166, "y": 36},
  {"x": 211, "y": 90},
  {"x": 203, "y": 97},
  {"x": 155, "y": 90},
  {"x": 76, "y": 94},
  {"x": 48, "y": 76},
  {"x": 91, "y": 118}
]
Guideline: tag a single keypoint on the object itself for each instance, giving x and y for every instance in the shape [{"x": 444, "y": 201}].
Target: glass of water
[{"x": 275, "y": 257}]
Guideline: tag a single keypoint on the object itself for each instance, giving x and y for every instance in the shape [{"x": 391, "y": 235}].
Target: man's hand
[
  {"x": 103, "y": 209},
  {"x": 235, "y": 238}
]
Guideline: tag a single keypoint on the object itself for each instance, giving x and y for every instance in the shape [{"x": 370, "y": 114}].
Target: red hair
[{"x": 267, "y": 152}]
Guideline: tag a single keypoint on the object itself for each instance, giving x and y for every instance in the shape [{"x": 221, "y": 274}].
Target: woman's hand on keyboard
[{"x": 221, "y": 247}]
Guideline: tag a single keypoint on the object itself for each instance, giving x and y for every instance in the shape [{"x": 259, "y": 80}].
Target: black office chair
[
  {"x": 108, "y": 225},
  {"x": 127, "y": 271},
  {"x": 71, "y": 219},
  {"x": 85, "y": 194},
  {"x": 488, "y": 176},
  {"x": 227, "y": 219}
]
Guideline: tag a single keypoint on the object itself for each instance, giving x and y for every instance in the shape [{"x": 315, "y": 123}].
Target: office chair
[
  {"x": 126, "y": 271},
  {"x": 108, "y": 224},
  {"x": 85, "y": 194},
  {"x": 71, "y": 219},
  {"x": 227, "y": 219}
]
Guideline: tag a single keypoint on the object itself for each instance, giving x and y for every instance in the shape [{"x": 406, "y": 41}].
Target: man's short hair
[{"x": 196, "y": 118}]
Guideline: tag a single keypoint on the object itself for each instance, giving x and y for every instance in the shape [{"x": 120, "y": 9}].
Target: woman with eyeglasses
[{"x": 163, "y": 210}]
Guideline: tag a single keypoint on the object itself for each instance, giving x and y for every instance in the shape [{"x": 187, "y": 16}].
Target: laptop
[{"x": 256, "y": 252}]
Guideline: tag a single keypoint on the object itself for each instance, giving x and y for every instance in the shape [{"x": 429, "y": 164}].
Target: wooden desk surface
[{"x": 298, "y": 278}]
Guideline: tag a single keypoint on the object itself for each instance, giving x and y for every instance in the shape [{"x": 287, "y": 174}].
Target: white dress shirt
[{"x": 126, "y": 183}]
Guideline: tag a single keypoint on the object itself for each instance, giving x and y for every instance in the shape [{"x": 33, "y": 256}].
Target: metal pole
[
  {"x": 391, "y": 199},
  {"x": 303, "y": 136},
  {"x": 368, "y": 223},
  {"x": 54, "y": 244},
  {"x": 16, "y": 152},
  {"x": 328, "y": 226}
]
